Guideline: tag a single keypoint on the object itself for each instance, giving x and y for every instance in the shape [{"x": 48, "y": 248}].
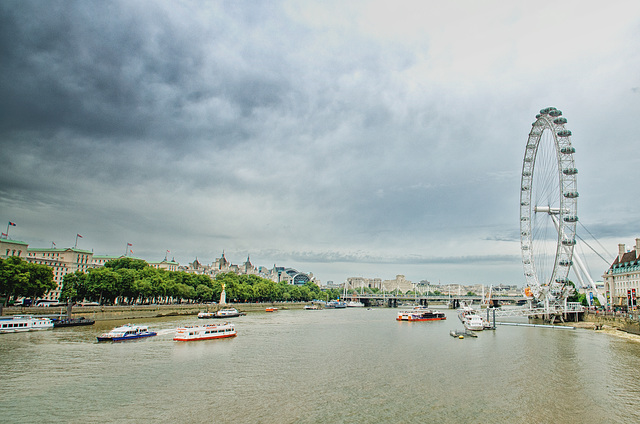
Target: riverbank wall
[
  {"x": 109, "y": 313},
  {"x": 629, "y": 322}
]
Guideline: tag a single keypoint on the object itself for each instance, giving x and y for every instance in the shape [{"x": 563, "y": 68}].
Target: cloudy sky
[{"x": 359, "y": 138}]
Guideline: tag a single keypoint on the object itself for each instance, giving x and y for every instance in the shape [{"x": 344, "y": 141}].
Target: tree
[
  {"x": 21, "y": 278},
  {"x": 72, "y": 286},
  {"x": 102, "y": 283},
  {"x": 204, "y": 293},
  {"x": 128, "y": 263},
  {"x": 40, "y": 280},
  {"x": 13, "y": 276}
]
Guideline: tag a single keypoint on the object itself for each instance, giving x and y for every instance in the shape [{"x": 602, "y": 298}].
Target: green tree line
[
  {"x": 133, "y": 281},
  {"x": 19, "y": 278}
]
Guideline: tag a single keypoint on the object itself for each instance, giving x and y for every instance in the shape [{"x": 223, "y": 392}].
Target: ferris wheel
[{"x": 548, "y": 209}]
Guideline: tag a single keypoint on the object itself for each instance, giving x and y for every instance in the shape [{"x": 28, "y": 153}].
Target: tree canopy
[
  {"x": 129, "y": 281},
  {"x": 19, "y": 278}
]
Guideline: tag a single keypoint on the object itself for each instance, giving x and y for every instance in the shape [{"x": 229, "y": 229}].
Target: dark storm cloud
[{"x": 287, "y": 127}]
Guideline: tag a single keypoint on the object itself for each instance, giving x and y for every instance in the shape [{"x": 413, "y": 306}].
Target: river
[{"x": 326, "y": 366}]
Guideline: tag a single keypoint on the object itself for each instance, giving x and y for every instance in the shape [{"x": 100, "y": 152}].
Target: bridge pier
[{"x": 392, "y": 303}]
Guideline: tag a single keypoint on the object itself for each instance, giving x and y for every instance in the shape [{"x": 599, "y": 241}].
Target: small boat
[
  {"x": 355, "y": 304},
  {"x": 205, "y": 315},
  {"x": 72, "y": 322},
  {"x": 205, "y": 332},
  {"x": 126, "y": 332},
  {"x": 271, "y": 309},
  {"x": 22, "y": 323},
  {"x": 228, "y": 313},
  {"x": 313, "y": 307},
  {"x": 420, "y": 314},
  {"x": 336, "y": 304}
]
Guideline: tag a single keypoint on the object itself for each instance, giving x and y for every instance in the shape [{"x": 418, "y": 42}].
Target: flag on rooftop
[
  {"x": 13, "y": 224},
  {"x": 79, "y": 235}
]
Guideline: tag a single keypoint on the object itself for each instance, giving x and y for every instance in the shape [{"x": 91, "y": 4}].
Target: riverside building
[
  {"x": 63, "y": 261},
  {"x": 277, "y": 274},
  {"x": 622, "y": 279}
]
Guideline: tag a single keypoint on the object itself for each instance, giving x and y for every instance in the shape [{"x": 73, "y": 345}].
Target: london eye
[{"x": 548, "y": 209}]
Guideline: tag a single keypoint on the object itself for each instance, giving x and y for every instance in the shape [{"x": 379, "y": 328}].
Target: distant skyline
[{"x": 371, "y": 138}]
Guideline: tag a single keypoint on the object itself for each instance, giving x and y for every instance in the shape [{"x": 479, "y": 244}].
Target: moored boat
[
  {"x": 22, "y": 323},
  {"x": 72, "y": 322},
  {"x": 126, "y": 332},
  {"x": 470, "y": 319},
  {"x": 205, "y": 315},
  {"x": 355, "y": 304},
  {"x": 336, "y": 304},
  {"x": 420, "y": 315},
  {"x": 205, "y": 332},
  {"x": 271, "y": 309},
  {"x": 313, "y": 307},
  {"x": 228, "y": 313},
  {"x": 473, "y": 322}
]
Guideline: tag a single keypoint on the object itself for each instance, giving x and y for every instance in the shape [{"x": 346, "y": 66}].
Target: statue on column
[{"x": 223, "y": 296}]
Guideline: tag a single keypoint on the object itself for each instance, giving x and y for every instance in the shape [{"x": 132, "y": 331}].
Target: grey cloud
[{"x": 223, "y": 125}]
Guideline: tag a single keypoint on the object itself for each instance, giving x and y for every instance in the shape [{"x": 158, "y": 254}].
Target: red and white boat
[
  {"x": 271, "y": 309},
  {"x": 205, "y": 332},
  {"x": 420, "y": 314}
]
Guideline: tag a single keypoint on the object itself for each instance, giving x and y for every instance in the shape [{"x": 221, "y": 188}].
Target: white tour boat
[
  {"x": 20, "y": 323},
  {"x": 205, "y": 332},
  {"x": 355, "y": 304},
  {"x": 470, "y": 319},
  {"x": 126, "y": 332},
  {"x": 473, "y": 322},
  {"x": 228, "y": 313}
]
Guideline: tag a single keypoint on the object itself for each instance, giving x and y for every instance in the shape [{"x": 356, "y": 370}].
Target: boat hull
[
  {"x": 126, "y": 338},
  {"x": 74, "y": 322},
  {"x": 206, "y": 332},
  {"x": 193, "y": 339},
  {"x": 20, "y": 324},
  {"x": 411, "y": 319}
]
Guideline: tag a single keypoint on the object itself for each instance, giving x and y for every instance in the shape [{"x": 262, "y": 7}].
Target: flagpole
[{"x": 76, "y": 245}]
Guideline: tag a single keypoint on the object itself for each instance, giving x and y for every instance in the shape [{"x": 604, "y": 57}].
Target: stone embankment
[
  {"x": 629, "y": 323},
  {"x": 107, "y": 313}
]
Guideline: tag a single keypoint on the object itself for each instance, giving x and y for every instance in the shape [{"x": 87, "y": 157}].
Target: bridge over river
[
  {"x": 393, "y": 300},
  {"x": 570, "y": 311}
]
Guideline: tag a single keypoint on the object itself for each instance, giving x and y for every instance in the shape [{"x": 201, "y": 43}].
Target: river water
[{"x": 326, "y": 366}]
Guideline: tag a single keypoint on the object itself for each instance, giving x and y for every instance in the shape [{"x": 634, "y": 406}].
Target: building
[
  {"x": 223, "y": 265},
  {"x": 68, "y": 260},
  {"x": 399, "y": 283},
  {"x": 13, "y": 248},
  {"x": 171, "y": 265},
  {"x": 622, "y": 279},
  {"x": 61, "y": 262},
  {"x": 361, "y": 282}
]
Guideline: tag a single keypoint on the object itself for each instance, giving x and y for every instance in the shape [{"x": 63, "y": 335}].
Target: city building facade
[
  {"x": 222, "y": 265},
  {"x": 622, "y": 279}
]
